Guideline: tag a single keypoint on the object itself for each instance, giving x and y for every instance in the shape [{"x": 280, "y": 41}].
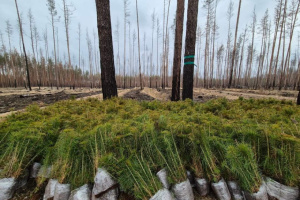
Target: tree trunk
[
  {"x": 268, "y": 85},
  {"x": 177, "y": 51},
  {"x": 298, "y": 99},
  {"x": 21, "y": 31},
  {"x": 234, "y": 48},
  {"x": 188, "y": 72},
  {"x": 139, "y": 47},
  {"x": 109, "y": 85}
]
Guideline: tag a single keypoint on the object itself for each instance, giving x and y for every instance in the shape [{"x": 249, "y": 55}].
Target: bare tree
[
  {"x": 37, "y": 39},
  {"x": 214, "y": 34},
  {"x": 177, "y": 51},
  {"x": 53, "y": 13},
  {"x": 151, "y": 56},
  {"x": 79, "y": 44},
  {"x": 3, "y": 67},
  {"x": 24, "y": 50},
  {"x": 90, "y": 51},
  {"x": 261, "y": 58},
  {"x": 68, "y": 12},
  {"x": 229, "y": 16},
  {"x": 293, "y": 19},
  {"x": 220, "y": 58},
  {"x": 165, "y": 39},
  {"x": 199, "y": 40},
  {"x": 278, "y": 14},
  {"x": 9, "y": 32},
  {"x": 157, "y": 46},
  {"x": 126, "y": 15},
  {"x": 117, "y": 35},
  {"x": 282, "y": 30},
  {"x": 208, "y": 7},
  {"x": 242, "y": 56},
  {"x": 139, "y": 47},
  {"x": 234, "y": 47},
  {"x": 251, "y": 49},
  {"x": 129, "y": 48},
  {"x": 31, "y": 24}
]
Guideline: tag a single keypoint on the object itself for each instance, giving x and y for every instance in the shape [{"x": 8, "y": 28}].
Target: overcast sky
[{"x": 85, "y": 14}]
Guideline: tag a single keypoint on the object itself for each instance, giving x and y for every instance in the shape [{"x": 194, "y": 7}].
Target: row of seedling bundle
[
  {"x": 139, "y": 141},
  {"x": 151, "y": 165}
]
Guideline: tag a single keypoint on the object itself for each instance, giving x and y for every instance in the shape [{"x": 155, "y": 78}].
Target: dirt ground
[
  {"x": 203, "y": 95},
  {"x": 16, "y": 99}
]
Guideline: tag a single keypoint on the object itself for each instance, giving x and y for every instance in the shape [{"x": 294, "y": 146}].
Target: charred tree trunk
[
  {"x": 298, "y": 99},
  {"x": 188, "y": 71},
  {"x": 26, "y": 60},
  {"x": 177, "y": 51},
  {"x": 109, "y": 85}
]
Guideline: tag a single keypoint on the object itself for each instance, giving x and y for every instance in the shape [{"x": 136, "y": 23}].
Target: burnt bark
[
  {"x": 298, "y": 99},
  {"x": 109, "y": 85},
  {"x": 177, "y": 51},
  {"x": 190, "y": 41}
]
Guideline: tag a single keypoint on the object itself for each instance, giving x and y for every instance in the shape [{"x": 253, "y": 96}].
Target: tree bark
[
  {"x": 234, "y": 48},
  {"x": 139, "y": 46},
  {"x": 188, "y": 71},
  {"x": 278, "y": 18},
  {"x": 109, "y": 85},
  {"x": 298, "y": 99},
  {"x": 177, "y": 51},
  {"x": 21, "y": 31}
]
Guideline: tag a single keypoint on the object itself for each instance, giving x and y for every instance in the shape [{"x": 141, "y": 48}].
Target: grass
[{"x": 77, "y": 137}]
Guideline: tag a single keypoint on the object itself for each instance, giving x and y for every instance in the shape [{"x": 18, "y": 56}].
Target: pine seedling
[{"x": 241, "y": 163}]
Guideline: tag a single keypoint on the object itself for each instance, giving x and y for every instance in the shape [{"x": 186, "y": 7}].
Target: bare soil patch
[
  {"x": 203, "y": 95},
  {"x": 20, "y": 101},
  {"x": 136, "y": 94}
]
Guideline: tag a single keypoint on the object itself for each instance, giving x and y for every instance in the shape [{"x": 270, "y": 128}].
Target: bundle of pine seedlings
[
  {"x": 136, "y": 178},
  {"x": 169, "y": 153},
  {"x": 23, "y": 139},
  {"x": 281, "y": 159},
  {"x": 242, "y": 166},
  {"x": 201, "y": 182},
  {"x": 71, "y": 158},
  {"x": 210, "y": 165}
]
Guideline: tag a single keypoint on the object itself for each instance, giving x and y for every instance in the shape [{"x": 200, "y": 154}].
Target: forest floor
[{"x": 16, "y": 99}]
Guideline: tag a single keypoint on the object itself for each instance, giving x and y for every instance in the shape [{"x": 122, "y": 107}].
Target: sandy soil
[
  {"x": 14, "y": 100},
  {"x": 139, "y": 95},
  {"x": 233, "y": 94},
  {"x": 44, "y": 90},
  {"x": 157, "y": 94},
  {"x": 203, "y": 95},
  {"x": 121, "y": 93}
]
